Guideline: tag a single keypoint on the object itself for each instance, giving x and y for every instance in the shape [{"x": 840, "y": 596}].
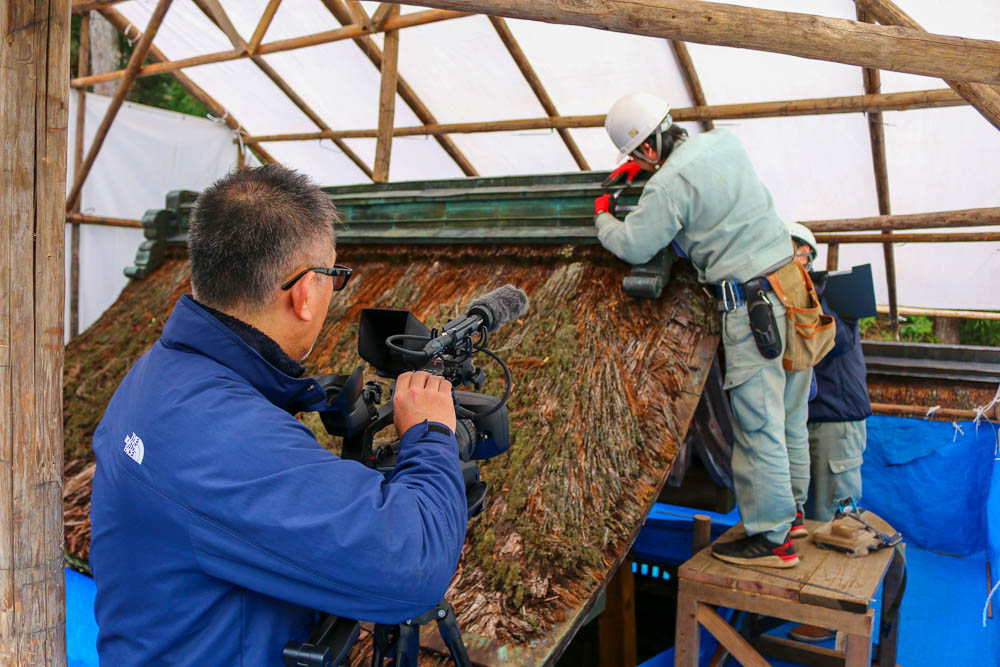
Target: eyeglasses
[{"x": 340, "y": 275}]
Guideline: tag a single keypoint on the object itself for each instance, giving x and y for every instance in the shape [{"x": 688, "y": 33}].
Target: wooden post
[
  {"x": 876, "y": 134},
  {"x": 265, "y": 23},
  {"x": 123, "y": 26},
  {"x": 924, "y": 99},
  {"x": 134, "y": 63},
  {"x": 508, "y": 39},
  {"x": 701, "y": 533},
  {"x": 214, "y": 11},
  {"x": 794, "y": 34},
  {"x": 85, "y": 6},
  {"x": 34, "y": 62},
  {"x": 969, "y": 217},
  {"x": 687, "y": 635},
  {"x": 353, "y": 12},
  {"x": 387, "y": 104},
  {"x": 382, "y": 13},
  {"x": 691, "y": 80},
  {"x": 986, "y": 100},
  {"x": 82, "y": 65},
  {"x": 290, "y": 44},
  {"x": 832, "y": 256},
  {"x": 616, "y": 625}
]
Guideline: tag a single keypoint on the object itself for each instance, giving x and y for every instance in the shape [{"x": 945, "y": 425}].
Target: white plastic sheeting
[
  {"x": 147, "y": 153},
  {"x": 817, "y": 167}
]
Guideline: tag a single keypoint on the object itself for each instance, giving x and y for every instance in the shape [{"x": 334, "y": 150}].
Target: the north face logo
[{"x": 134, "y": 447}]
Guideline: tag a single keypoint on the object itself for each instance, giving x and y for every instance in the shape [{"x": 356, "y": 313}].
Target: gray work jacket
[{"x": 708, "y": 198}]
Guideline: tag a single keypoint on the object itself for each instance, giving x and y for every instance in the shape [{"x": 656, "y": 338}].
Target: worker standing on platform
[
  {"x": 837, "y": 414},
  {"x": 837, "y": 430},
  {"x": 705, "y": 197}
]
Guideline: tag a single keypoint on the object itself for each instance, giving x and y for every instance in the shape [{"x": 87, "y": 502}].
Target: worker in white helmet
[
  {"x": 704, "y": 196},
  {"x": 837, "y": 413}
]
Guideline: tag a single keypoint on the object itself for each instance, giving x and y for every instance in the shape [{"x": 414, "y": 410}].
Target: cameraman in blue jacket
[{"x": 219, "y": 522}]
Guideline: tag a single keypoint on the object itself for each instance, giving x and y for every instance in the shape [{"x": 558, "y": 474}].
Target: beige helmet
[
  {"x": 803, "y": 234},
  {"x": 633, "y": 118}
]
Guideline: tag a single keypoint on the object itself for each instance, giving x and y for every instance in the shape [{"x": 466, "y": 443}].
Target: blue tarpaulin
[{"x": 932, "y": 482}]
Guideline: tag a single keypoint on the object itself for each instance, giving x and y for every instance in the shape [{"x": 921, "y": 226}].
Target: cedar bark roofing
[{"x": 605, "y": 388}]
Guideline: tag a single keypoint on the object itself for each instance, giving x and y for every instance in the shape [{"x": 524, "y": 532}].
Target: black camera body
[{"x": 393, "y": 342}]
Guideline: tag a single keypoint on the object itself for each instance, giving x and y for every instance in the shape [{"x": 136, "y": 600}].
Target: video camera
[{"x": 395, "y": 342}]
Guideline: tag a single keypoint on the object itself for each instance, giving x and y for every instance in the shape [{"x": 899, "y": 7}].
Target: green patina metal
[{"x": 549, "y": 208}]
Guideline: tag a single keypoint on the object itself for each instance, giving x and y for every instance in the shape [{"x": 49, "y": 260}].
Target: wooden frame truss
[{"x": 213, "y": 10}]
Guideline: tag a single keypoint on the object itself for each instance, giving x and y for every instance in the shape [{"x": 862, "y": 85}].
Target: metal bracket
[{"x": 648, "y": 280}]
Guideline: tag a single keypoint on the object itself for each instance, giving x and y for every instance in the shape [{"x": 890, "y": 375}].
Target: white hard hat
[
  {"x": 803, "y": 234},
  {"x": 632, "y": 119}
]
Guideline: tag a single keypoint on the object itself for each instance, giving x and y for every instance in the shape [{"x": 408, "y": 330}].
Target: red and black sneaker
[
  {"x": 798, "y": 526},
  {"x": 757, "y": 550}
]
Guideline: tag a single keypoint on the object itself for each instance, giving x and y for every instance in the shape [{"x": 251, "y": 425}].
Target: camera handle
[{"x": 401, "y": 643}]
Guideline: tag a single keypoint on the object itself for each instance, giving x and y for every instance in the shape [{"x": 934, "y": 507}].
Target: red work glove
[
  {"x": 602, "y": 205},
  {"x": 629, "y": 168}
]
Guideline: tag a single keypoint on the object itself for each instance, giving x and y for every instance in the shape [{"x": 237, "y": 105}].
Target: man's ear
[{"x": 300, "y": 295}]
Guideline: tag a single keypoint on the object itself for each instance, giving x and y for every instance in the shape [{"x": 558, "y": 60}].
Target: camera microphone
[{"x": 492, "y": 310}]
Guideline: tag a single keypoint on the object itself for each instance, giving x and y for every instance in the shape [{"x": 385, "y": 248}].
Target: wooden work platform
[{"x": 801, "y": 593}]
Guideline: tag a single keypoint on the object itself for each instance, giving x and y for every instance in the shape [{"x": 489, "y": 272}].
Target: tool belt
[
  {"x": 732, "y": 294},
  {"x": 814, "y": 331}
]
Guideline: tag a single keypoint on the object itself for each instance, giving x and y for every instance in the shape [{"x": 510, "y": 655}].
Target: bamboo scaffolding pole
[
  {"x": 87, "y": 6},
  {"x": 263, "y": 25},
  {"x": 221, "y": 20},
  {"x": 82, "y": 65},
  {"x": 937, "y": 312},
  {"x": 971, "y": 217},
  {"x": 523, "y": 64},
  {"x": 956, "y": 237},
  {"x": 345, "y": 15},
  {"x": 123, "y": 26},
  {"x": 217, "y": 15},
  {"x": 134, "y": 63},
  {"x": 34, "y": 69},
  {"x": 382, "y": 13},
  {"x": 832, "y": 256},
  {"x": 876, "y": 134},
  {"x": 691, "y": 80},
  {"x": 923, "y": 99},
  {"x": 920, "y": 411},
  {"x": 100, "y": 220},
  {"x": 985, "y": 99},
  {"x": 387, "y": 101},
  {"x": 794, "y": 34},
  {"x": 347, "y": 32}
]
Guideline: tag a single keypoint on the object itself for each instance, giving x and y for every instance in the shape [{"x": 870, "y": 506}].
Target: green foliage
[
  {"x": 916, "y": 329},
  {"x": 912, "y": 329},
  {"x": 979, "y": 332}
]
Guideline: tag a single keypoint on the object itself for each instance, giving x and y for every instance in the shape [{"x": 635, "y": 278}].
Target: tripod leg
[
  {"x": 451, "y": 635},
  {"x": 384, "y": 643},
  {"x": 408, "y": 646}
]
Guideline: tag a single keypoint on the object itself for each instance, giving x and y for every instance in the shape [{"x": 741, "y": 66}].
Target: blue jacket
[
  {"x": 841, "y": 376},
  {"x": 219, "y": 523}
]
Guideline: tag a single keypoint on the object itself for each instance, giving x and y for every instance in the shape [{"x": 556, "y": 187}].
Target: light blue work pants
[
  {"x": 770, "y": 406},
  {"x": 835, "y": 450}
]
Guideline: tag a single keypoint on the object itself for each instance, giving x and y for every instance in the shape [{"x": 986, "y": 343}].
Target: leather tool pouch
[
  {"x": 814, "y": 330},
  {"x": 762, "y": 322}
]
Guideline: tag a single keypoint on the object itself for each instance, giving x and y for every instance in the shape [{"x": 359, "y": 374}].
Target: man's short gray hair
[{"x": 249, "y": 229}]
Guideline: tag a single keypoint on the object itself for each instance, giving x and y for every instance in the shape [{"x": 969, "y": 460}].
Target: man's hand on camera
[{"x": 419, "y": 396}]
